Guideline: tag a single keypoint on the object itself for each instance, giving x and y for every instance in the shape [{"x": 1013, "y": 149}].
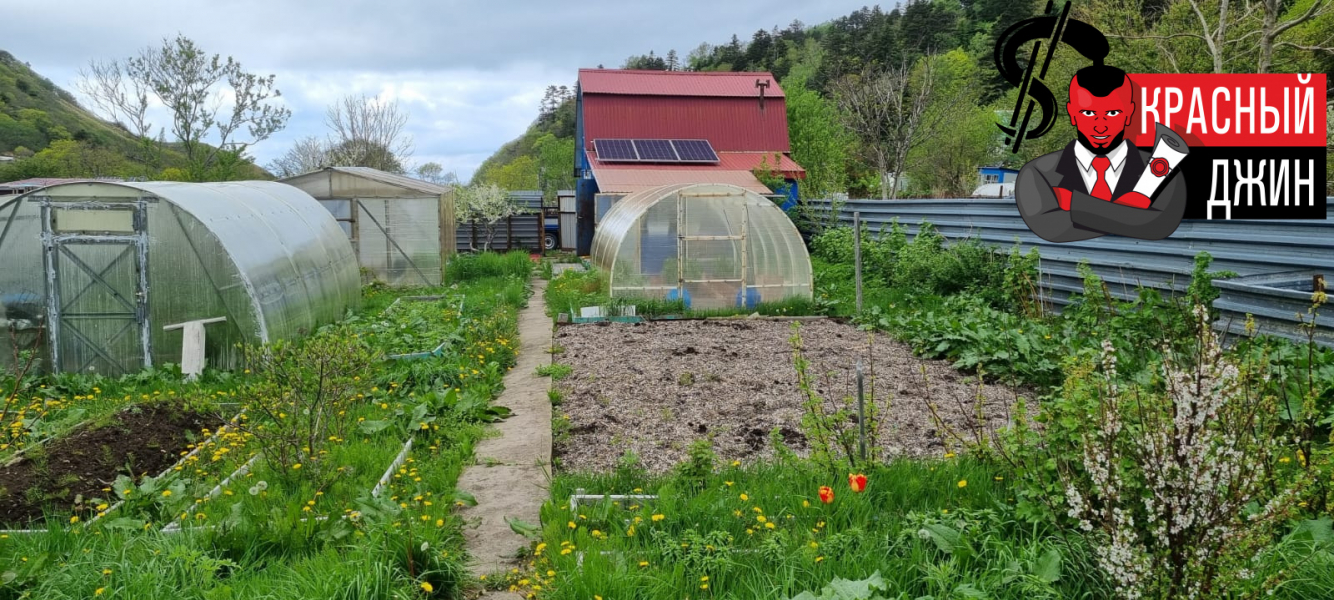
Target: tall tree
[
  {"x": 887, "y": 109},
  {"x": 819, "y": 141},
  {"x": 307, "y": 154},
  {"x": 367, "y": 132},
  {"x": 217, "y": 108},
  {"x": 434, "y": 172}
]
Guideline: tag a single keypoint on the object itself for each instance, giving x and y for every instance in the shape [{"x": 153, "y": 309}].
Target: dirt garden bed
[
  {"x": 137, "y": 441},
  {"x": 653, "y": 388}
]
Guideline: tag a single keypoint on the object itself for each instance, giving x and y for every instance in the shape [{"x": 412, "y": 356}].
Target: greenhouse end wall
[
  {"x": 711, "y": 245},
  {"x": 94, "y": 271},
  {"x": 402, "y": 229}
]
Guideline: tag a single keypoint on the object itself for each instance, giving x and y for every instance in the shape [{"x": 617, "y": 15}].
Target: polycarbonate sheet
[
  {"x": 399, "y": 239},
  {"x": 22, "y": 276},
  {"x": 709, "y": 239},
  {"x": 289, "y": 252},
  {"x": 264, "y": 255}
]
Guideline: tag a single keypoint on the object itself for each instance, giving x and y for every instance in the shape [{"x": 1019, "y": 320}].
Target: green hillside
[
  {"x": 541, "y": 158},
  {"x": 50, "y": 135}
]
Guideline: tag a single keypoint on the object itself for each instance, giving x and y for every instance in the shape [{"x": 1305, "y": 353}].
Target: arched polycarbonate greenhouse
[
  {"x": 93, "y": 272},
  {"x": 713, "y": 245}
]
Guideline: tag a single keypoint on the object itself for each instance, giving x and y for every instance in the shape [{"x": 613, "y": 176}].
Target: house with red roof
[{"x": 638, "y": 130}]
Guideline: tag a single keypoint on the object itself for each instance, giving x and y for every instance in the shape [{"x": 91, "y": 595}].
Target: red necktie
[{"x": 1100, "y": 189}]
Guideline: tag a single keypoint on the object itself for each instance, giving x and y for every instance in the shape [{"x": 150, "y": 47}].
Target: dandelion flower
[
  {"x": 427, "y": 587},
  {"x": 74, "y": 519},
  {"x": 963, "y": 483}
]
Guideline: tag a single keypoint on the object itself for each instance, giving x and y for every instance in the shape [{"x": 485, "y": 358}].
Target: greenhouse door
[{"x": 97, "y": 278}]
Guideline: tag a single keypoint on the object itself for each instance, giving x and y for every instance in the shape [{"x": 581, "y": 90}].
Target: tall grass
[
  {"x": 470, "y": 267},
  {"x": 927, "y": 534}
]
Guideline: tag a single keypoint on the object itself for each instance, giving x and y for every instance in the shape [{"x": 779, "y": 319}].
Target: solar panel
[
  {"x": 615, "y": 150},
  {"x": 656, "y": 150},
  {"x": 695, "y": 151}
]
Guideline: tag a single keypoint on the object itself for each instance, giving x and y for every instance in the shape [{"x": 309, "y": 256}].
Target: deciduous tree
[
  {"x": 368, "y": 132},
  {"x": 486, "y": 205},
  {"x": 217, "y": 108}
]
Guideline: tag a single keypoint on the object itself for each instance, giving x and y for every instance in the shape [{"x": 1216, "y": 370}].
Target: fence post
[
  {"x": 509, "y": 233},
  {"x": 857, "y": 254}
]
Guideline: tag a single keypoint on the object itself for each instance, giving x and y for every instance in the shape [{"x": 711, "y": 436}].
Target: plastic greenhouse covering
[
  {"x": 93, "y": 272},
  {"x": 713, "y": 245},
  {"x": 402, "y": 229}
]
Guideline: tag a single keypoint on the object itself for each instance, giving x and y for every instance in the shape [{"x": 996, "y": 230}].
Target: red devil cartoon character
[{"x": 1101, "y": 184}]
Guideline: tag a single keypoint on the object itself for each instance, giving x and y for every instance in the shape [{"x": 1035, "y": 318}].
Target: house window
[{"x": 991, "y": 178}]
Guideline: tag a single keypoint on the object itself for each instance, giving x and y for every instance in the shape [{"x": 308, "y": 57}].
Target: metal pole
[
  {"x": 861, "y": 409},
  {"x": 857, "y": 254}
]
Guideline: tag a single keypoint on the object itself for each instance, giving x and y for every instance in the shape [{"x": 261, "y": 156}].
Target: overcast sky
[{"x": 470, "y": 74}]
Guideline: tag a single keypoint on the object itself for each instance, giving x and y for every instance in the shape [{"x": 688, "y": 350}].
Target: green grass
[
  {"x": 468, "y": 267},
  {"x": 914, "y": 524},
  {"x": 291, "y": 539}
]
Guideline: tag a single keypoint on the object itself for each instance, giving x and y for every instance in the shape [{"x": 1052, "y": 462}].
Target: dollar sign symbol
[{"x": 1033, "y": 90}]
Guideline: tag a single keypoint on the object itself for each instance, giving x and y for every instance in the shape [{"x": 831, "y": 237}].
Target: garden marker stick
[{"x": 861, "y": 409}]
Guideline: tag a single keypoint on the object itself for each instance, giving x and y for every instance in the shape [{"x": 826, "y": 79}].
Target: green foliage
[
  {"x": 302, "y": 391},
  {"x": 556, "y": 371},
  {"x": 846, "y": 589},
  {"x": 926, "y": 536},
  {"x": 472, "y": 267},
  {"x": 820, "y": 144},
  {"x": 37, "y": 116}
]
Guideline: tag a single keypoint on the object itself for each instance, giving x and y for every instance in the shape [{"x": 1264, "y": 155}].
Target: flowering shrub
[{"x": 1177, "y": 482}]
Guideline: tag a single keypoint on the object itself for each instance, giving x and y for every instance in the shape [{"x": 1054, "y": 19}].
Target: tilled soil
[
  {"x": 138, "y": 441},
  {"x": 653, "y": 388}
]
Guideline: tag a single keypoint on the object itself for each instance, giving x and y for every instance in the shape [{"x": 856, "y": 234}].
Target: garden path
[{"x": 511, "y": 470}]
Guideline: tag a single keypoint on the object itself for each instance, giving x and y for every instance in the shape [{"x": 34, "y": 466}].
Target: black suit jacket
[{"x": 1091, "y": 217}]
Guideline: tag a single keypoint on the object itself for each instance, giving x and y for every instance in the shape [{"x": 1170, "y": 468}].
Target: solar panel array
[{"x": 656, "y": 151}]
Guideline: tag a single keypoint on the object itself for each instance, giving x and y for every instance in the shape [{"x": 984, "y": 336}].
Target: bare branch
[{"x": 366, "y": 132}]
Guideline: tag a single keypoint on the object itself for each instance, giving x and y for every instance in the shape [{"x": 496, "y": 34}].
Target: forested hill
[
  {"x": 937, "y": 56},
  {"x": 51, "y": 135}
]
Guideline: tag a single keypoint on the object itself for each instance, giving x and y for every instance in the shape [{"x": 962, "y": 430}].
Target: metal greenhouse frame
[{"x": 101, "y": 275}]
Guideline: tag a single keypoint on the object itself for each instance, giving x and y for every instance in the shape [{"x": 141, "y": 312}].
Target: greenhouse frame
[
  {"x": 402, "y": 229},
  {"x": 94, "y": 271},
  {"x": 710, "y": 245}
]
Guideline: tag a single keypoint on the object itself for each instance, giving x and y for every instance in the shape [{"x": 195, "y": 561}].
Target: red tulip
[
  {"x": 826, "y": 494},
  {"x": 857, "y": 482}
]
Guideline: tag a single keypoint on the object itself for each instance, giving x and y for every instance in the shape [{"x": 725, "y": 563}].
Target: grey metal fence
[
  {"x": 523, "y": 231},
  {"x": 1275, "y": 260}
]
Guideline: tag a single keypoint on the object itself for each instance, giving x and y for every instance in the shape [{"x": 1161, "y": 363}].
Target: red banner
[{"x": 1271, "y": 110}]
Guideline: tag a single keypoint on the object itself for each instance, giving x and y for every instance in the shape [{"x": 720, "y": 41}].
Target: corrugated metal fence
[
  {"x": 1275, "y": 260},
  {"x": 523, "y": 231}
]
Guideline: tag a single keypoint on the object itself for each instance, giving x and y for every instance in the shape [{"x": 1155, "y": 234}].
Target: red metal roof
[
  {"x": 730, "y": 124},
  {"x": 727, "y": 161},
  {"x": 677, "y": 83}
]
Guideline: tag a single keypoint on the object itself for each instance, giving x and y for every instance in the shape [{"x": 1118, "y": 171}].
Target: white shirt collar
[{"x": 1085, "y": 157}]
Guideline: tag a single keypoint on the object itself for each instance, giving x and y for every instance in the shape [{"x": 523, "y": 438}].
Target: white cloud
[{"x": 470, "y": 73}]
